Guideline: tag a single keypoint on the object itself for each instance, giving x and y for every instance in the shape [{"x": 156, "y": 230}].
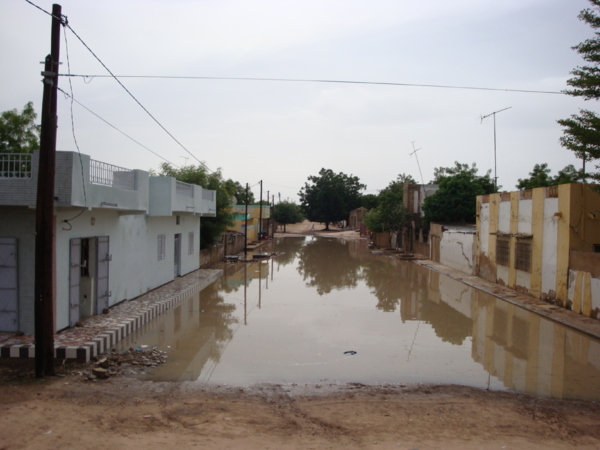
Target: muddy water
[{"x": 328, "y": 311}]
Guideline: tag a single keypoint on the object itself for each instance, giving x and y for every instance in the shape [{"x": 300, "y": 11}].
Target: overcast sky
[{"x": 282, "y": 132}]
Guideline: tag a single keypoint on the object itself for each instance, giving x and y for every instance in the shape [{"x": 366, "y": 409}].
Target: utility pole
[
  {"x": 269, "y": 222},
  {"x": 260, "y": 214},
  {"x": 44, "y": 209},
  {"x": 273, "y": 215},
  {"x": 485, "y": 117},
  {"x": 246, "y": 227}
]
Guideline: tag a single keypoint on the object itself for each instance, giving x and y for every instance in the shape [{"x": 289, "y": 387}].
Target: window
[
  {"x": 596, "y": 248},
  {"x": 191, "y": 243},
  {"x": 162, "y": 244},
  {"x": 177, "y": 220},
  {"x": 523, "y": 256},
  {"x": 503, "y": 251}
]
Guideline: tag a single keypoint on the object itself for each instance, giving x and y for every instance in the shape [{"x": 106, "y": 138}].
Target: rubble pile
[{"x": 129, "y": 362}]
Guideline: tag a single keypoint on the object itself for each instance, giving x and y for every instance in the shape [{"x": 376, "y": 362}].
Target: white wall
[
  {"x": 549, "y": 247},
  {"x": 457, "y": 251},
  {"x": 504, "y": 217},
  {"x": 133, "y": 242}
]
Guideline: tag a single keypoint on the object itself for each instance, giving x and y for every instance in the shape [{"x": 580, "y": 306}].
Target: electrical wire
[
  {"x": 67, "y": 221},
  {"x": 65, "y": 23},
  {"x": 135, "y": 99},
  {"x": 302, "y": 80},
  {"x": 120, "y": 131}
]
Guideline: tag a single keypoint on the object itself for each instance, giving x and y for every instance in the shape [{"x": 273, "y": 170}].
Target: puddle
[{"x": 328, "y": 311}]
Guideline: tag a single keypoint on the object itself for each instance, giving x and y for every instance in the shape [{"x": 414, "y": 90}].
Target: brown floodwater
[{"x": 329, "y": 311}]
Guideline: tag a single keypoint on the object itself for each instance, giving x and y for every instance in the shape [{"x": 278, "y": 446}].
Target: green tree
[
  {"x": 211, "y": 228},
  {"x": 569, "y": 175},
  {"x": 240, "y": 194},
  {"x": 455, "y": 201},
  {"x": 390, "y": 214},
  {"x": 540, "y": 177},
  {"x": 368, "y": 201},
  {"x": 287, "y": 212},
  {"x": 18, "y": 131},
  {"x": 582, "y": 132},
  {"x": 329, "y": 197}
]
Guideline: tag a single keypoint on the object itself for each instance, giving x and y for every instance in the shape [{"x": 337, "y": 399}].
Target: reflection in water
[{"x": 292, "y": 318}]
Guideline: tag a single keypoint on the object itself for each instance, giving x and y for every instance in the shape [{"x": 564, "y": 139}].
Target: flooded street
[{"x": 328, "y": 311}]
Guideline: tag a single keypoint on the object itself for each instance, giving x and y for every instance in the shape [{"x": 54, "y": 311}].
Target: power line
[
  {"x": 114, "y": 127},
  {"x": 301, "y": 80},
  {"x": 65, "y": 24},
  {"x": 135, "y": 99}
]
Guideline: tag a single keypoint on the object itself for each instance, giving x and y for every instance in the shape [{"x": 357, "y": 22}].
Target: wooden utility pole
[
  {"x": 260, "y": 214},
  {"x": 246, "y": 227},
  {"x": 44, "y": 213}
]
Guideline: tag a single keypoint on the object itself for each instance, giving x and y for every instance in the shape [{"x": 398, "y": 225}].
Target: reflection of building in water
[
  {"x": 528, "y": 353},
  {"x": 257, "y": 270},
  {"x": 532, "y": 354}
]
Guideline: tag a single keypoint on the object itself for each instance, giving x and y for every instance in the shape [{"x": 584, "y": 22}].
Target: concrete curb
[
  {"x": 583, "y": 324},
  {"x": 108, "y": 338}
]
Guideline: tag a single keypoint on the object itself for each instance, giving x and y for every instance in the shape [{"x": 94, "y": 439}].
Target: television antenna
[
  {"x": 185, "y": 159},
  {"x": 415, "y": 150},
  {"x": 485, "y": 117}
]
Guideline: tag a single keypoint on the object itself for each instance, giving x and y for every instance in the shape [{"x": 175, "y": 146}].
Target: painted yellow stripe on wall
[
  {"x": 537, "y": 229},
  {"x": 514, "y": 228},
  {"x": 562, "y": 247}
]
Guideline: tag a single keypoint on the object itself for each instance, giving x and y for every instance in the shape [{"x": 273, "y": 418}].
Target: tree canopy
[
  {"x": 211, "y": 227},
  {"x": 540, "y": 177},
  {"x": 287, "y": 212},
  {"x": 455, "y": 201},
  {"x": 18, "y": 131},
  {"x": 329, "y": 197},
  {"x": 390, "y": 213},
  {"x": 581, "y": 133}
]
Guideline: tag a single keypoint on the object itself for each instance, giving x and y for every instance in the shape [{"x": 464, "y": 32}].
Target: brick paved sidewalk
[{"x": 99, "y": 333}]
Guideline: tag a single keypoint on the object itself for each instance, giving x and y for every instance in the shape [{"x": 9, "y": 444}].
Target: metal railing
[
  {"x": 109, "y": 175},
  {"x": 15, "y": 165},
  {"x": 184, "y": 189}
]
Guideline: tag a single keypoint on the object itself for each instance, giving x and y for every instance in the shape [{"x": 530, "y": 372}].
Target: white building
[{"x": 118, "y": 234}]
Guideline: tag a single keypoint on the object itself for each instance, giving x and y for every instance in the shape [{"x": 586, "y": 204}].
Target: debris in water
[{"x": 350, "y": 352}]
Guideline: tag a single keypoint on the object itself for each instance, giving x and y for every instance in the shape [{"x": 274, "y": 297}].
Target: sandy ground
[
  {"x": 304, "y": 228},
  {"x": 72, "y": 411}
]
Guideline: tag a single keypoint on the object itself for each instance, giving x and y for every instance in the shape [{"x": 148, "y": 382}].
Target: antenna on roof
[
  {"x": 485, "y": 117},
  {"x": 415, "y": 150}
]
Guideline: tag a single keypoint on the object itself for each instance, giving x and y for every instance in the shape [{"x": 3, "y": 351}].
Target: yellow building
[
  {"x": 544, "y": 242},
  {"x": 253, "y": 220}
]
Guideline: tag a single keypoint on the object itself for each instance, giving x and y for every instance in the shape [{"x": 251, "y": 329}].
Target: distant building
[
  {"x": 356, "y": 217},
  {"x": 118, "y": 234},
  {"x": 252, "y": 220}
]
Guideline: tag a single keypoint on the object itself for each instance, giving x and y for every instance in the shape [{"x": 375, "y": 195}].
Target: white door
[
  {"x": 103, "y": 258},
  {"x": 8, "y": 285},
  {"x": 74, "y": 280}
]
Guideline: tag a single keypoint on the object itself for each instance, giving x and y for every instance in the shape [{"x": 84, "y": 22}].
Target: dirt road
[{"x": 73, "y": 412}]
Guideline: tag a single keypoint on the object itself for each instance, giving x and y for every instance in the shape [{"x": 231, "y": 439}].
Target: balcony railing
[
  {"x": 15, "y": 165},
  {"x": 208, "y": 195},
  {"x": 109, "y": 175},
  {"x": 184, "y": 189}
]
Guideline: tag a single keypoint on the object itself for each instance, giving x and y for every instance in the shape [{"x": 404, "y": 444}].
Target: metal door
[
  {"x": 8, "y": 285},
  {"x": 103, "y": 257},
  {"x": 177, "y": 267},
  {"x": 74, "y": 280}
]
